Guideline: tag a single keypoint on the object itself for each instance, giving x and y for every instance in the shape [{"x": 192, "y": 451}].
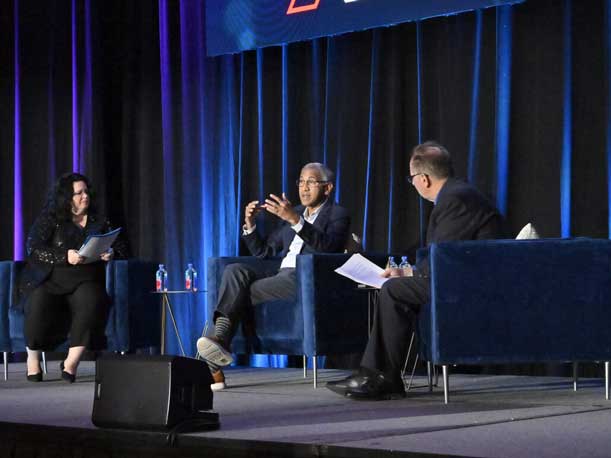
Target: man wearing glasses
[
  {"x": 315, "y": 226},
  {"x": 461, "y": 212}
]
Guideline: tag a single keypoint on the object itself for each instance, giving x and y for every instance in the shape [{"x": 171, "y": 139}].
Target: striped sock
[
  {"x": 213, "y": 367},
  {"x": 222, "y": 327}
]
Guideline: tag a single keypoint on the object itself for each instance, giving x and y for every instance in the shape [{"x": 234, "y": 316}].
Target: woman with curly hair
[{"x": 65, "y": 296}]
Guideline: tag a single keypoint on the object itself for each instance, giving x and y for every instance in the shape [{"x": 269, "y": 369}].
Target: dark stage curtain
[{"x": 176, "y": 143}]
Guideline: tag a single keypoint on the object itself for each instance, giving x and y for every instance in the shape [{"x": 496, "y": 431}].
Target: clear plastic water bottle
[
  {"x": 161, "y": 279},
  {"x": 391, "y": 263},
  {"x": 405, "y": 266},
  {"x": 190, "y": 278}
]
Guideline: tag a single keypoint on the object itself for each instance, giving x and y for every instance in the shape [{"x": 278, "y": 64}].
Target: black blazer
[
  {"x": 461, "y": 212},
  {"x": 328, "y": 234},
  {"x": 49, "y": 241}
]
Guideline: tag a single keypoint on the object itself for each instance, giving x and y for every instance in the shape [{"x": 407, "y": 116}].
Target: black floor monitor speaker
[{"x": 153, "y": 393}]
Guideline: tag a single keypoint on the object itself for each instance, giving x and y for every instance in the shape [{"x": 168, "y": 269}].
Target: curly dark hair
[{"x": 59, "y": 199}]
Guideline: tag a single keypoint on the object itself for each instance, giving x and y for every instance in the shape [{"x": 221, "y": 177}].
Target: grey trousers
[{"x": 242, "y": 287}]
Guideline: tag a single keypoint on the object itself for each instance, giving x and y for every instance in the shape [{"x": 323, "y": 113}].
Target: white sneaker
[{"x": 212, "y": 351}]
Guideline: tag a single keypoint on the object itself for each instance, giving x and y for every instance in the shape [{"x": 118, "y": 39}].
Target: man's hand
[
  {"x": 282, "y": 208},
  {"x": 108, "y": 255},
  {"x": 250, "y": 212},
  {"x": 396, "y": 272},
  {"x": 74, "y": 258}
]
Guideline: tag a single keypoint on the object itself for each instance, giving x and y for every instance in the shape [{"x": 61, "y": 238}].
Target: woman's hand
[
  {"x": 108, "y": 255},
  {"x": 74, "y": 258}
]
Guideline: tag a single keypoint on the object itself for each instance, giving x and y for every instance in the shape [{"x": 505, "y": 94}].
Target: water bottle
[
  {"x": 190, "y": 278},
  {"x": 404, "y": 265},
  {"x": 391, "y": 263},
  {"x": 161, "y": 279}
]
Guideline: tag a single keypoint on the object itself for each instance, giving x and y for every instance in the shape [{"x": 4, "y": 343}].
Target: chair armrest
[
  {"x": 334, "y": 309},
  {"x": 421, "y": 253},
  {"x": 6, "y": 298},
  {"x": 135, "y": 313},
  {"x": 11, "y": 312}
]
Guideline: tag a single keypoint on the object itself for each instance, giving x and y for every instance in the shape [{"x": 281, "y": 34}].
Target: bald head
[
  {"x": 430, "y": 166},
  {"x": 432, "y": 159}
]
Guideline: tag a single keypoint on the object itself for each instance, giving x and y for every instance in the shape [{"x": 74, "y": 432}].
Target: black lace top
[
  {"x": 47, "y": 248},
  {"x": 49, "y": 240}
]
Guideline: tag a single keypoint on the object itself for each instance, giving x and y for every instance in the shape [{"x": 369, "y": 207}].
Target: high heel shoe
[
  {"x": 66, "y": 376},
  {"x": 35, "y": 377}
]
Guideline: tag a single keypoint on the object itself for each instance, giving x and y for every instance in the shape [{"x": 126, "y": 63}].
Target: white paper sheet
[
  {"x": 97, "y": 244},
  {"x": 362, "y": 270}
]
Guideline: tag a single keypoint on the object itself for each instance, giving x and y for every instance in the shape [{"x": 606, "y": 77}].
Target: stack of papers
[
  {"x": 97, "y": 244},
  {"x": 362, "y": 270}
]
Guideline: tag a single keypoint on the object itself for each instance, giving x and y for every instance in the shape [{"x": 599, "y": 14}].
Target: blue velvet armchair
[
  {"x": 133, "y": 321},
  {"x": 518, "y": 301},
  {"x": 328, "y": 316}
]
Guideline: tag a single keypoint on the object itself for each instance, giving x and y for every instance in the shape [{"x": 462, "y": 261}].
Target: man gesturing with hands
[{"x": 318, "y": 225}]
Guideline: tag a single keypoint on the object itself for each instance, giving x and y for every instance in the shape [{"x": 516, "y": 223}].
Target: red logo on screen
[{"x": 300, "y": 9}]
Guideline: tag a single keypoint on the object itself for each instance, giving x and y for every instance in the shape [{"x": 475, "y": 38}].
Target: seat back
[
  {"x": 508, "y": 301},
  {"x": 354, "y": 244}
]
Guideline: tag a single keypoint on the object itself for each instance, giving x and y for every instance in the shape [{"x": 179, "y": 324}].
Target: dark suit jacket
[
  {"x": 328, "y": 234},
  {"x": 461, "y": 213}
]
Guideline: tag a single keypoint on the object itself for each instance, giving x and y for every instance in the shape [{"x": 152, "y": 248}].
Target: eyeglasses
[
  {"x": 410, "y": 179},
  {"x": 310, "y": 183}
]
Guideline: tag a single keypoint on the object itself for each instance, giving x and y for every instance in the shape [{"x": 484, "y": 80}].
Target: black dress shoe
[
  {"x": 340, "y": 386},
  {"x": 369, "y": 387},
  {"x": 66, "y": 376}
]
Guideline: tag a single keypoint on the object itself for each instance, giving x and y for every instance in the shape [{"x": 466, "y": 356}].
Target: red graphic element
[{"x": 300, "y": 9}]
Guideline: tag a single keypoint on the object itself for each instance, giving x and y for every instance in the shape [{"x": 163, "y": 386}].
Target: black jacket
[
  {"x": 328, "y": 234},
  {"x": 461, "y": 212},
  {"x": 49, "y": 241}
]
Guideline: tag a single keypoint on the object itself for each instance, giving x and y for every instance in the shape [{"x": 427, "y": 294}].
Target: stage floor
[{"x": 488, "y": 416}]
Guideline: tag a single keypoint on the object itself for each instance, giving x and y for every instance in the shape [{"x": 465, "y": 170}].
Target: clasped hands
[
  {"x": 74, "y": 258},
  {"x": 279, "y": 206}
]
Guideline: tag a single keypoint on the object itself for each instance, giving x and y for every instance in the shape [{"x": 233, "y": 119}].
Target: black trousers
[
  {"x": 50, "y": 317},
  {"x": 394, "y": 321},
  {"x": 242, "y": 286}
]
